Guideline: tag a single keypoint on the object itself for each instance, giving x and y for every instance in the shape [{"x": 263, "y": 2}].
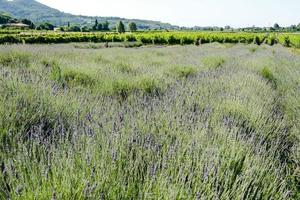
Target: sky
[{"x": 235, "y": 13}]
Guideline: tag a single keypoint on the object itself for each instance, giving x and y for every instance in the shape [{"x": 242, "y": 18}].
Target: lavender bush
[{"x": 180, "y": 122}]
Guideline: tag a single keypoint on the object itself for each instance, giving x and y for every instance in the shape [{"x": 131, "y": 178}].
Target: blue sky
[{"x": 236, "y": 13}]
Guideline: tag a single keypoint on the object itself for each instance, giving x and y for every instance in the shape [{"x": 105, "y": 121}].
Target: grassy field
[{"x": 218, "y": 121}]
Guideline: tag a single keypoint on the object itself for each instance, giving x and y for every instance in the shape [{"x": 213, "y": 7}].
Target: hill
[{"x": 38, "y": 13}]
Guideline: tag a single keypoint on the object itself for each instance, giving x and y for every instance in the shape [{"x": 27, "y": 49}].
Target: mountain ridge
[{"x": 39, "y": 13}]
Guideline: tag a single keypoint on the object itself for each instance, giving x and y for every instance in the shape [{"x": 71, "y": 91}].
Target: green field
[{"x": 215, "y": 121}]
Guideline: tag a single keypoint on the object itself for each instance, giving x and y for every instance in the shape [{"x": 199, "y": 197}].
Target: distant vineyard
[{"x": 159, "y": 38}]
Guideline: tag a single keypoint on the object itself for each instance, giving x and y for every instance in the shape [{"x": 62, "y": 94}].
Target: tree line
[
  {"x": 7, "y": 20},
  {"x": 104, "y": 26},
  {"x": 275, "y": 28},
  {"x": 98, "y": 26}
]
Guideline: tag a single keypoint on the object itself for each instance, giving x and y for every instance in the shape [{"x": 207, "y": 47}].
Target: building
[{"x": 16, "y": 25}]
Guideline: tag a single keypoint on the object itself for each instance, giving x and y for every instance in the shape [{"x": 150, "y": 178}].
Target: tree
[
  {"x": 96, "y": 25},
  {"x": 276, "y": 26},
  {"x": 99, "y": 27},
  {"x": 298, "y": 26},
  {"x": 105, "y": 26},
  {"x": 120, "y": 27},
  {"x": 49, "y": 26},
  {"x": 85, "y": 29},
  {"x": 132, "y": 27},
  {"x": 45, "y": 26},
  {"x": 74, "y": 29},
  {"x": 293, "y": 27},
  {"x": 4, "y": 18},
  {"x": 12, "y": 21},
  {"x": 28, "y": 22}
]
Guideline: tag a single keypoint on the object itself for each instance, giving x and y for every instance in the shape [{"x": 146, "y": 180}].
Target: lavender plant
[{"x": 180, "y": 122}]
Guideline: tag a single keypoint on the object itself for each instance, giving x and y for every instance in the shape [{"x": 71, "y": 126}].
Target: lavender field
[{"x": 215, "y": 121}]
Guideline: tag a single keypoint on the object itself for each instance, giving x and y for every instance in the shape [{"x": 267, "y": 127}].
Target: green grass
[
  {"x": 125, "y": 68},
  {"x": 74, "y": 78},
  {"x": 184, "y": 71},
  {"x": 15, "y": 59},
  {"x": 213, "y": 62},
  {"x": 179, "y": 122},
  {"x": 268, "y": 75}
]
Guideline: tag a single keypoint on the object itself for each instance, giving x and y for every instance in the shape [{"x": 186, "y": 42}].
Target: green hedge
[{"x": 159, "y": 38}]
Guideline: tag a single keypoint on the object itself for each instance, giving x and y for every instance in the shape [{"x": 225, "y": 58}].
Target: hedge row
[{"x": 162, "y": 38}]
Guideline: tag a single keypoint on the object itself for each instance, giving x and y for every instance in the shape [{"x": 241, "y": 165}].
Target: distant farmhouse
[{"x": 16, "y": 25}]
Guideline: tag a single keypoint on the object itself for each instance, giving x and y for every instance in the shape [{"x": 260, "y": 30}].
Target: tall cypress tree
[
  {"x": 120, "y": 27},
  {"x": 96, "y": 25}
]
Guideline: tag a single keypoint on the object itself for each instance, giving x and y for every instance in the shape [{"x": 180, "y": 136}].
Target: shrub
[
  {"x": 15, "y": 59},
  {"x": 147, "y": 38},
  {"x": 213, "y": 62},
  {"x": 267, "y": 74},
  {"x": 184, "y": 71},
  {"x": 29, "y": 114},
  {"x": 170, "y": 38},
  {"x": 257, "y": 40},
  {"x": 156, "y": 39},
  {"x": 122, "y": 88},
  {"x": 55, "y": 72},
  {"x": 129, "y": 38},
  {"x": 238, "y": 117},
  {"x": 186, "y": 40},
  {"x": 287, "y": 41},
  {"x": 271, "y": 41},
  {"x": 48, "y": 63},
  {"x": 125, "y": 68},
  {"x": 149, "y": 86},
  {"x": 10, "y": 39},
  {"x": 173, "y": 40},
  {"x": 73, "y": 78}
]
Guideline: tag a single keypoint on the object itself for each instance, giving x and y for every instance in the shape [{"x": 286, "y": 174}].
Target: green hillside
[{"x": 38, "y": 13}]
